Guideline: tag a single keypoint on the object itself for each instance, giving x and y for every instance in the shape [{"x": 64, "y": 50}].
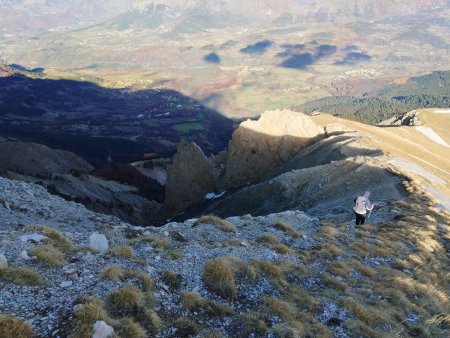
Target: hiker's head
[{"x": 367, "y": 194}]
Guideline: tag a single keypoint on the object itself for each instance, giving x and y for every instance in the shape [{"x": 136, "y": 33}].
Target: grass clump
[
  {"x": 287, "y": 228},
  {"x": 333, "y": 282},
  {"x": 174, "y": 255},
  {"x": 277, "y": 307},
  {"x": 12, "y": 327},
  {"x": 218, "y": 278},
  {"x": 123, "y": 251},
  {"x": 222, "y": 224},
  {"x": 248, "y": 324},
  {"x": 282, "y": 249},
  {"x": 243, "y": 271},
  {"x": 269, "y": 269},
  {"x": 186, "y": 327},
  {"x": 125, "y": 301},
  {"x": 128, "y": 328},
  {"x": 90, "y": 312},
  {"x": 118, "y": 273},
  {"x": 55, "y": 237},
  {"x": 192, "y": 301},
  {"x": 21, "y": 276},
  {"x": 172, "y": 279},
  {"x": 160, "y": 243},
  {"x": 48, "y": 255},
  {"x": 268, "y": 239},
  {"x": 114, "y": 273}
]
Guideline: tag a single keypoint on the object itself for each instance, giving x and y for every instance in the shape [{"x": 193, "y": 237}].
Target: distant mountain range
[{"x": 34, "y": 17}]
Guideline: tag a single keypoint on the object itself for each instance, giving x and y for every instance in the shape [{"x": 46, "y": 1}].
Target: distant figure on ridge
[{"x": 362, "y": 205}]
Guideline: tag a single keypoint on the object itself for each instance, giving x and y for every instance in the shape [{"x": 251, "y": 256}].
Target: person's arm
[{"x": 369, "y": 206}]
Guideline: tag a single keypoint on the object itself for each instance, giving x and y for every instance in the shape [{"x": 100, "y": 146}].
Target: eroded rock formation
[
  {"x": 259, "y": 146},
  {"x": 189, "y": 177}
]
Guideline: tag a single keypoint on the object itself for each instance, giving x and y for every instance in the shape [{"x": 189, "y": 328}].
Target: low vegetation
[
  {"x": 12, "y": 327},
  {"x": 122, "y": 251},
  {"x": 21, "y": 276},
  {"x": 118, "y": 273},
  {"x": 219, "y": 278},
  {"x": 48, "y": 255},
  {"x": 55, "y": 237},
  {"x": 222, "y": 224},
  {"x": 172, "y": 279}
]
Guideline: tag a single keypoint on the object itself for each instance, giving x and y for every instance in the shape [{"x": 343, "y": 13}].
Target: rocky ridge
[{"x": 277, "y": 259}]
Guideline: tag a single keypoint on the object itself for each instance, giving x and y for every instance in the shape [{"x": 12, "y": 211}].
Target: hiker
[{"x": 362, "y": 205}]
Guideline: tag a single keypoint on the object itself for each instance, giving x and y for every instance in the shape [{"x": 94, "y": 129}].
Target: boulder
[
  {"x": 102, "y": 330},
  {"x": 98, "y": 242},
  {"x": 189, "y": 178},
  {"x": 259, "y": 146},
  {"x": 3, "y": 261},
  {"x": 33, "y": 238}
]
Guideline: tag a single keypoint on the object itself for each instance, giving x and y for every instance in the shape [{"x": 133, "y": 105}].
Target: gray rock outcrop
[
  {"x": 39, "y": 160},
  {"x": 189, "y": 179}
]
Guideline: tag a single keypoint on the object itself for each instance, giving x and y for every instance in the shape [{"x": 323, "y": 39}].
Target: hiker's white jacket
[{"x": 362, "y": 205}]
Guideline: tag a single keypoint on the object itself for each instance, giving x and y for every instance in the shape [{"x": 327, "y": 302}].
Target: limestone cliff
[
  {"x": 259, "y": 146},
  {"x": 189, "y": 177}
]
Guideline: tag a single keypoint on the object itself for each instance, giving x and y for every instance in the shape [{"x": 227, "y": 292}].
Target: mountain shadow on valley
[{"x": 98, "y": 123}]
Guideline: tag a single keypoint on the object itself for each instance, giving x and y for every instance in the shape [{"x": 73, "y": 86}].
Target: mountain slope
[{"x": 61, "y": 15}]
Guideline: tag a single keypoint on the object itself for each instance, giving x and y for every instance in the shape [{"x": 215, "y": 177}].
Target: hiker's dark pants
[{"x": 360, "y": 219}]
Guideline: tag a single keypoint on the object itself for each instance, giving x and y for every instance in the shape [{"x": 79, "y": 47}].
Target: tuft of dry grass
[
  {"x": 269, "y": 269},
  {"x": 114, "y": 273},
  {"x": 328, "y": 231},
  {"x": 248, "y": 324},
  {"x": 333, "y": 282},
  {"x": 282, "y": 249},
  {"x": 192, "y": 301},
  {"x": 222, "y": 224},
  {"x": 49, "y": 255},
  {"x": 160, "y": 243},
  {"x": 55, "y": 237},
  {"x": 12, "y": 327},
  {"x": 293, "y": 329},
  {"x": 277, "y": 307},
  {"x": 174, "y": 255},
  {"x": 21, "y": 276},
  {"x": 172, "y": 279},
  {"x": 125, "y": 301},
  {"x": 152, "y": 322},
  {"x": 268, "y": 239},
  {"x": 128, "y": 328},
  {"x": 123, "y": 251},
  {"x": 118, "y": 273},
  {"x": 243, "y": 271},
  {"x": 287, "y": 228},
  {"x": 218, "y": 277},
  {"x": 186, "y": 327},
  {"x": 90, "y": 312}
]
